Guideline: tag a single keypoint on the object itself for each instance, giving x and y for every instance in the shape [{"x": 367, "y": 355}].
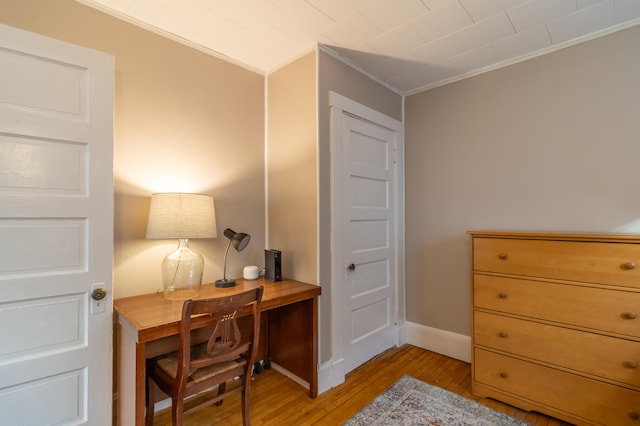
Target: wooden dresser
[{"x": 556, "y": 324}]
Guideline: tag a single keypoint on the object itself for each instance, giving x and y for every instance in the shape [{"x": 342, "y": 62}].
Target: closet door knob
[
  {"x": 629, "y": 315},
  {"x": 504, "y": 375},
  {"x": 629, "y": 266},
  {"x": 503, "y": 334},
  {"x": 630, "y": 364},
  {"x": 502, "y": 256},
  {"x": 502, "y": 295}
]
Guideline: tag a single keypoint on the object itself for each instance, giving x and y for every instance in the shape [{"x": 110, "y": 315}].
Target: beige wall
[
  {"x": 548, "y": 144},
  {"x": 184, "y": 121},
  {"x": 292, "y": 168},
  {"x": 335, "y": 76}
]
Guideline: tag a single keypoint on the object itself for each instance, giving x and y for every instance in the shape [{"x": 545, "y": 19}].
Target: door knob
[
  {"x": 351, "y": 267},
  {"x": 98, "y": 294}
]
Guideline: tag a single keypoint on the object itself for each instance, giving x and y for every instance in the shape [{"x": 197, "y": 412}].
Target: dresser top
[{"x": 604, "y": 237}]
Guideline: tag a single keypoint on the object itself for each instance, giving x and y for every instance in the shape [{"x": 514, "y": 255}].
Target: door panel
[
  {"x": 62, "y": 246},
  {"x": 371, "y": 277},
  {"x": 25, "y": 164},
  {"x": 56, "y": 231},
  {"x": 62, "y": 391},
  {"x": 62, "y": 330}
]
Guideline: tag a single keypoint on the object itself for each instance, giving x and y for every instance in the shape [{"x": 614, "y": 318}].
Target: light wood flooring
[{"x": 277, "y": 400}]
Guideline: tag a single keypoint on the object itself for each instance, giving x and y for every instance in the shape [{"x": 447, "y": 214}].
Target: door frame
[{"x": 339, "y": 105}]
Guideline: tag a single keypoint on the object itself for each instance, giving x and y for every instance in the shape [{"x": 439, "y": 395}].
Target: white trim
[
  {"x": 336, "y": 372},
  {"x": 145, "y": 25},
  {"x": 162, "y": 405},
  {"x": 363, "y": 111},
  {"x": 304, "y": 52},
  {"x": 266, "y": 163},
  {"x": 166, "y": 403},
  {"x": 330, "y": 375},
  {"x": 318, "y": 265},
  {"x": 333, "y": 372},
  {"x": 400, "y": 300},
  {"x": 329, "y": 51},
  {"x": 269, "y": 69},
  {"x": 527, "y": 56},
  {"x": 555, "y": 47},
  {"x": 290, "y": 375},
  {"x": 458, "y": 346},
  {"x": 444, "y": 342}
]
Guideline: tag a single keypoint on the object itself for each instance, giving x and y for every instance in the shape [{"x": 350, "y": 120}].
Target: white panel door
[
  {"x": 365, "y": 236},
  {"x": 56, "y": 231}
]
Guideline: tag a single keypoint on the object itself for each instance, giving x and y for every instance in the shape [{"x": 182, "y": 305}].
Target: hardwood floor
[{"x": 277, "y": 400}]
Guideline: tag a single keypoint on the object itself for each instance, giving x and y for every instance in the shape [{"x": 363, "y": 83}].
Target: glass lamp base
[
  {"x": 230, "y": 282},
  {"x": 182, "y": 273}
]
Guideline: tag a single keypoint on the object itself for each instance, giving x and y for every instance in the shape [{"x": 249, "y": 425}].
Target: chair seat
[{"x": 169, "y": 364}]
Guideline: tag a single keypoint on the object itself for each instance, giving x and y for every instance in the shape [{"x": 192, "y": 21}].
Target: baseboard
[
  {"x": 290, "y": 375},
  {"x": 330, "y": 375},
  {"x": 166, "y": 403},
  {"x": 444, "y": 342},
  {"x": 458, "y": 346},
  {"x": 162, "y": 405}
]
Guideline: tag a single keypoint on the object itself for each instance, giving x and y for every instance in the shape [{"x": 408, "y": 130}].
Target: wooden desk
[{"x": 148, "y": 325}]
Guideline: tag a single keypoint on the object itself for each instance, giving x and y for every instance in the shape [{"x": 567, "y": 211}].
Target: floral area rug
[{"x": 413, "y": 402}]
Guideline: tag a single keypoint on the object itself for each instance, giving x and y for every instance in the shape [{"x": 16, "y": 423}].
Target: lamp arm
[{"x": 224, "y": 270}]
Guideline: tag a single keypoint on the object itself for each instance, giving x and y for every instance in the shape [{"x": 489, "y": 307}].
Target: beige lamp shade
[{"x": 180, "y": 215}]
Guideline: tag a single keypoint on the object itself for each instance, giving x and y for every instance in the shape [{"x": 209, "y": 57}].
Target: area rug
[{"x": 413, "y": 402}]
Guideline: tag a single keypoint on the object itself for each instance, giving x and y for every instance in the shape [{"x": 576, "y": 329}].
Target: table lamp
[
  {"x": 182, "y": 216},
  {"x": 239, "y": 240}
]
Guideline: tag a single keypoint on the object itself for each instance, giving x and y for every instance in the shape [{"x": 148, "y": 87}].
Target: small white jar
[{"x": 250, "y": 272}]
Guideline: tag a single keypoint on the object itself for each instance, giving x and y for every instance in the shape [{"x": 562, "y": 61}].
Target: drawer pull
[
  {"x": 504, "y": 375},
  {"x": 502, "y": 256},
  {"x": 629, "y": 266},
  {"x": 503, "y": 334},
  {"x": 502, "y": 295},
  {"x": 634, "y": 415},
  {"x": 629, "y": 315},
  {"x": 630, "y": 364}
]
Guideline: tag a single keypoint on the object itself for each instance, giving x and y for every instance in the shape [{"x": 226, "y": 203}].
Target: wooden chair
[{"x": 226, "y": 354}]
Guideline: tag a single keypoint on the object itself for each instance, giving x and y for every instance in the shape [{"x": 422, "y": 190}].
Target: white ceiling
[{"x": 411, "y": 45}]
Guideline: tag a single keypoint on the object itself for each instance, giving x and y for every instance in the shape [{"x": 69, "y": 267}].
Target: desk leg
[
  {"x": 130, "y": 379},
  {"x": 313, "y": 382},
  {"x": 293, "y": 340}
]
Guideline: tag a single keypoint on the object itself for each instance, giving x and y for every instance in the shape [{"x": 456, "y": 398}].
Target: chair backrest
[{"x": 226, "y": 342}]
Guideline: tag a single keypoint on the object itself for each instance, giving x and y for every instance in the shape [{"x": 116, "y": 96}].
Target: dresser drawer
[
  {"x": 595, "y": 308},
  {"x": 575, "y": 395},
  {"x": 590, "y": 262},
  {"x": 591, "y": 353}
]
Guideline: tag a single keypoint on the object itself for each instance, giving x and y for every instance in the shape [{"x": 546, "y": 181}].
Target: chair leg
[
  {"x": 221, "y": 388},
  {"x": 246, "y": 412},
  {"x": 177, "y": 409}
]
